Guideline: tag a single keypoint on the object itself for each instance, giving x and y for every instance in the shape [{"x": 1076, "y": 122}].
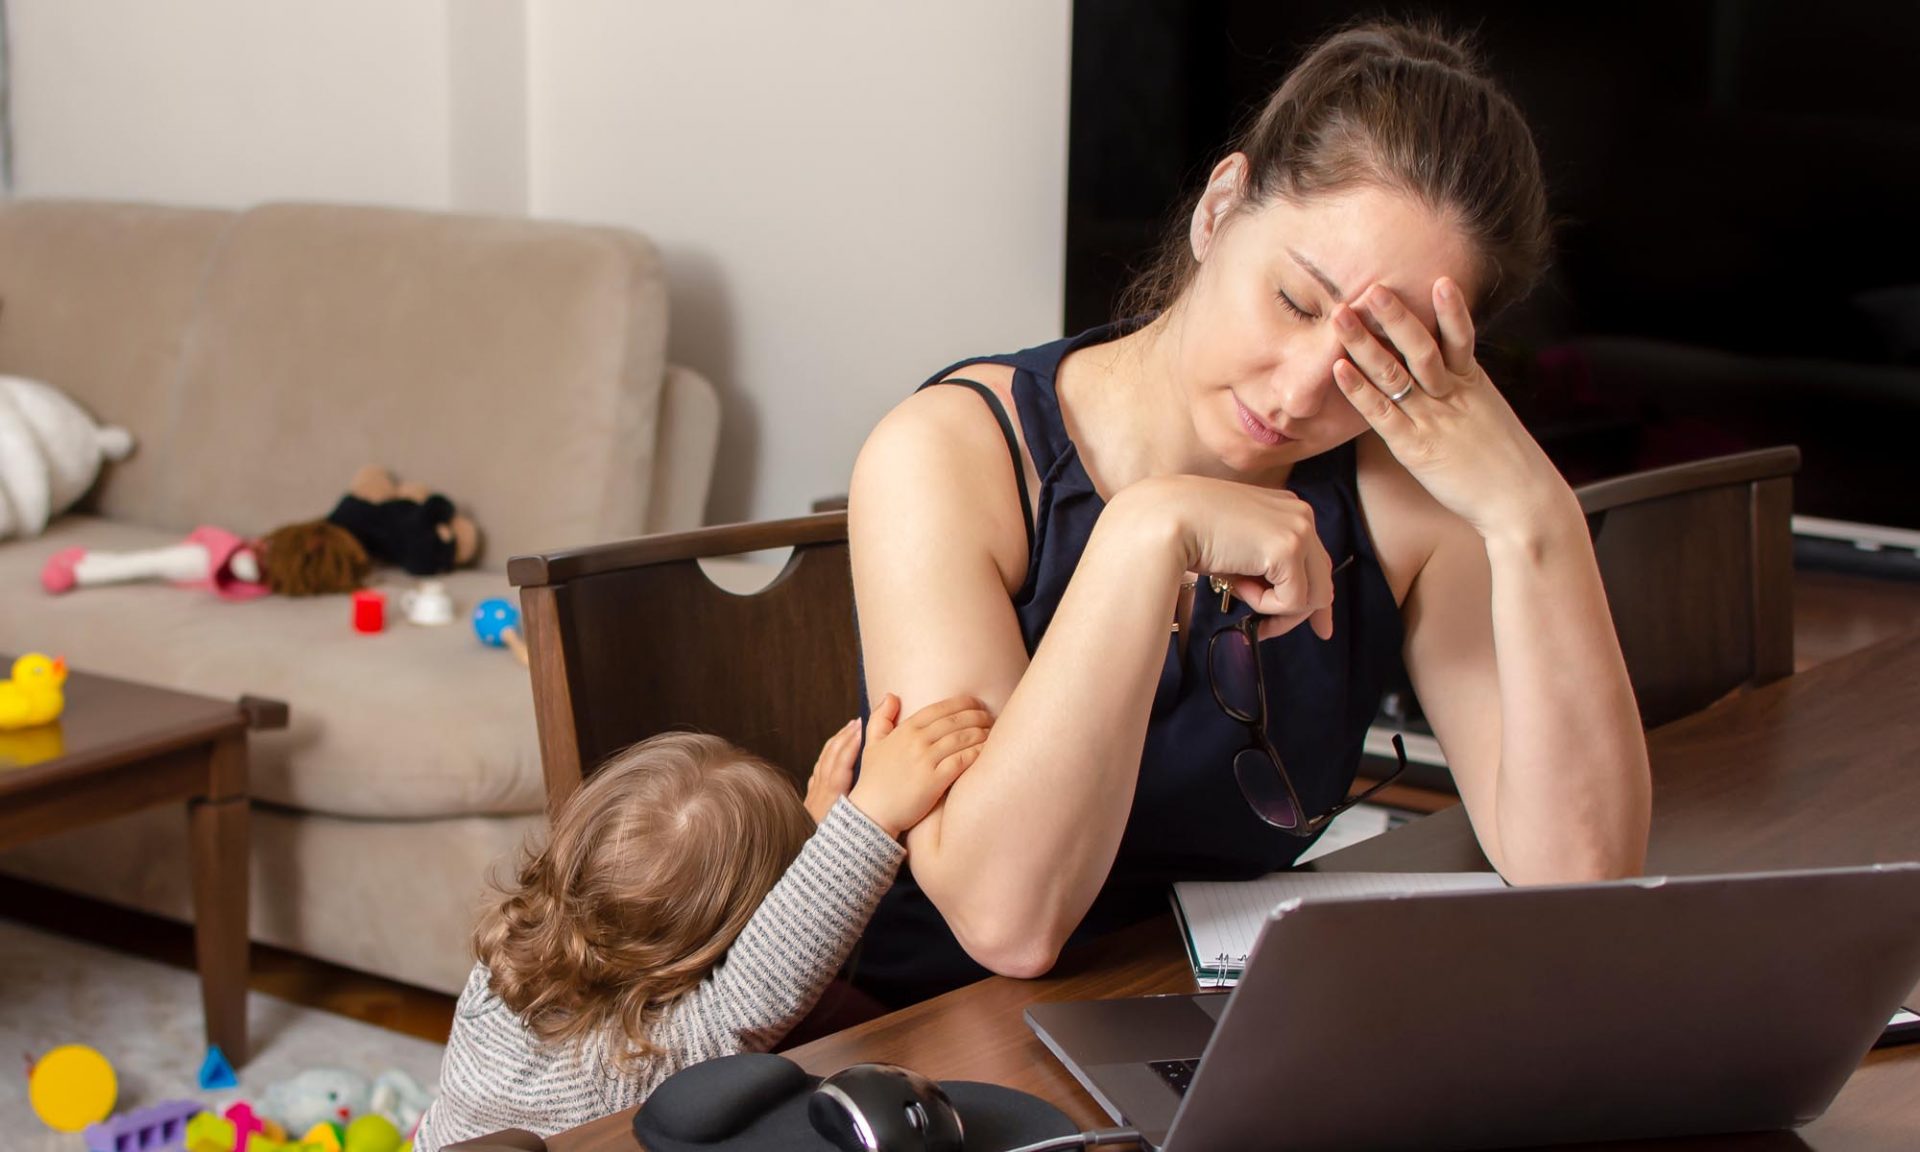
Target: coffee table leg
[{"x": 219, "y": 838}]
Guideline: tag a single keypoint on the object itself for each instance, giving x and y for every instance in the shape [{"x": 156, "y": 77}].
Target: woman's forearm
[
  {"x": 1573, "y": 795},
  {"x": 1023, "y": 842}
]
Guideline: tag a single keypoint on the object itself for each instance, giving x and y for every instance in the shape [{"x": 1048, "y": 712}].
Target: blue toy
[
  {"x": 498, "y": 625},
  {"x": 216, "y": 1072}
]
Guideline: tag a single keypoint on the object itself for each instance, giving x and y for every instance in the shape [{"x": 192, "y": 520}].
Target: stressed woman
[{"x": 1295, "y": 416}]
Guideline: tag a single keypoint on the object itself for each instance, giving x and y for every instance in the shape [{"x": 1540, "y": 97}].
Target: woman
[{"x": 1299, "y": 418}]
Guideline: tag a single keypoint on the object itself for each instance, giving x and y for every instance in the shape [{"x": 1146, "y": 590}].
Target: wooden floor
[{"x": 1833, "y": 615}]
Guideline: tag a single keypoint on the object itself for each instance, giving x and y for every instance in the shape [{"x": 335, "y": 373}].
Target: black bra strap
[{"x": 1013, "y": 448}]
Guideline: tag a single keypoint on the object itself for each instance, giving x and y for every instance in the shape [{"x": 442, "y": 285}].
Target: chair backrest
[
  {"x": 628, "y": 640},
  {"x": 1697, "y": 560},
  {"x": 631, "y": 639}
]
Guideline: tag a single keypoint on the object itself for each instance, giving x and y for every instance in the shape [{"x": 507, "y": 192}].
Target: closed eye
[{"x": 1287, "y": 303}]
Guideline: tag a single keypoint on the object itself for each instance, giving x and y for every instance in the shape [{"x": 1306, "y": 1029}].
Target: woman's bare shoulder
[{"x": 940, "y": 458}]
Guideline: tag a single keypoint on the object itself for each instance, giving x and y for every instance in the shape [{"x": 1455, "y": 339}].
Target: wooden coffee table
[{"x": 121, "y": 747}]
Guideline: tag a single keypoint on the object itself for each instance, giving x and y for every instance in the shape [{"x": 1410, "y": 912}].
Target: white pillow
[{"x": 50, "y": 454}]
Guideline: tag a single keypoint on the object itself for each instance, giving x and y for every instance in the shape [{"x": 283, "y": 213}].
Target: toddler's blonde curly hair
[{"x": 651, "y": 870}]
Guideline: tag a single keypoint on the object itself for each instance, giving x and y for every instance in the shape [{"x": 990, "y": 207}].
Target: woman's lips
[{"x": 1256, "y": 429}]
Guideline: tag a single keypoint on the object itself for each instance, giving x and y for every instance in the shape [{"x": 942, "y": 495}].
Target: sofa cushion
[
  {"x": 96, "y": 299},
  {"x": 413, "y": 722},
  {"x": 514, "y": 364}
]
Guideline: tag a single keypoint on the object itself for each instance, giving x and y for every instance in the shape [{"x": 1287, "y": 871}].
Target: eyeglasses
[{"x": 1240, "y": 688}]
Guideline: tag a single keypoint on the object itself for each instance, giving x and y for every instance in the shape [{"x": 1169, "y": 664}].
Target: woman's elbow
[
  {"x": 1001, "y": 935},
  {"x": 1005, "y": 950},
  {"x": 1583, "y": 863}
]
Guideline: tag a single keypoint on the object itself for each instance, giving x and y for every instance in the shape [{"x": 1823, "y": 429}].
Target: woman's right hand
[
  {"x": 906, "y": 769},
  {"x": 1261, "y": 540}
]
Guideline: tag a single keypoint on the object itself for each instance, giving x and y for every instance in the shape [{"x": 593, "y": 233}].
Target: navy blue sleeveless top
[{"x": 1189, "y": 820}]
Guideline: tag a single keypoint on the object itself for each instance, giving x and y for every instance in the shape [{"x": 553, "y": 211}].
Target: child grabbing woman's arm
[{"x": 684, "y": 907}]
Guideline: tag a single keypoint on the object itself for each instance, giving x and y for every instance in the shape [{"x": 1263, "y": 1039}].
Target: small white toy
[
  {"x": 337, "y": 1096},
  {"x": 50, "y": 454}
]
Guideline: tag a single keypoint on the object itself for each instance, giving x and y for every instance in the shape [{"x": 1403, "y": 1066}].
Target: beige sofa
[{"x": 259, "y": 358}]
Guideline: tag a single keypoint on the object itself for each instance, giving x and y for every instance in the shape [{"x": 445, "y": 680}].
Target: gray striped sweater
[{"x": 496, "y": 1074}]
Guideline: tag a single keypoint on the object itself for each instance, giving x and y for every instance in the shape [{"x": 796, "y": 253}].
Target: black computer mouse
[{"x": 884, "y": 1108}]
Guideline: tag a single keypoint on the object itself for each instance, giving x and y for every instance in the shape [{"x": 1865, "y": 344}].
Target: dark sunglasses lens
[
  {"x": 1265, "y": 789},
  {"x": 1236, "y": 675}
]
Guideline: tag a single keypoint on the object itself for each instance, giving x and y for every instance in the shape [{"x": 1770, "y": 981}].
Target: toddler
[{"x": 686, "y": 905}]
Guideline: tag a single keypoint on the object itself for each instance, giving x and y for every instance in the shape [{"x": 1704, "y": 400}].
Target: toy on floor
[
  {"x": 335, "y": 1095},
  {"x": 209, "y": 557},
  {"x": 216, "y": 1071},
  {"x": 325, "y": 1138},
  {"x": 209, "y": 1133},
  {"x": 161, "y": 1127},
  {"x": 253, "y": 1133},
  {"x": 498, "y": 625},
  {"x": 71, "y": 1087},
  {"x": 34, "y": 695},
  {"x": 50, "y": 454},
  {"x": 372, "y": 1133}
]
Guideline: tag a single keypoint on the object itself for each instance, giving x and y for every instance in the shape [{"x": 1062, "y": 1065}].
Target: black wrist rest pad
[{"x": 758, "y": 1101}]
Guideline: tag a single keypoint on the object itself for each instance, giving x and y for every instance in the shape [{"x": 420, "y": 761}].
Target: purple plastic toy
[{"x": 144, "y": 1130}]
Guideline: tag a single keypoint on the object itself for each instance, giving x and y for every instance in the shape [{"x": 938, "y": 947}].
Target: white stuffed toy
[{"x": 50, "y": 454}]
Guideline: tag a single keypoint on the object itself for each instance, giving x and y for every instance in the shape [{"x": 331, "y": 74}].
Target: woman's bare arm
[
  {"x": 1017, "y": 851},
  {"x": 1512, "y": 653}
]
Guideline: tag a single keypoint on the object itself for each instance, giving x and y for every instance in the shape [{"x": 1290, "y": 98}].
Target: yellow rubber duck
[{"x": 34, "y": 695}]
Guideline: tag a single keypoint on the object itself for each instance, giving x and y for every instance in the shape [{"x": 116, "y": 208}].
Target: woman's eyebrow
[{"x": 1333, "y": 290}]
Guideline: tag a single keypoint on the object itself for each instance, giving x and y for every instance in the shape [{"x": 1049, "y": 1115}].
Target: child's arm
[
  {"x": 782, "y": 960},
  {"x": 806, "y": 926}
]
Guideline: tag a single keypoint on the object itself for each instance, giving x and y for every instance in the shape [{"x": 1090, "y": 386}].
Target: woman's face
[{"x": 1256, "y": 345}]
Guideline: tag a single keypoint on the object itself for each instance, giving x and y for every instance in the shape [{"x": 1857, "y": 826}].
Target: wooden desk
[{"x": 1816, "y": 770}]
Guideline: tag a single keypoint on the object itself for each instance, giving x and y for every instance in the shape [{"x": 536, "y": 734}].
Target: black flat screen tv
[{"x": 1737, "y": 187}]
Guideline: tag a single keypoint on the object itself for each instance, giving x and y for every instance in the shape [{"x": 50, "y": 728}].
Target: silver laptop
[{"x": 1493, "y": 1019}]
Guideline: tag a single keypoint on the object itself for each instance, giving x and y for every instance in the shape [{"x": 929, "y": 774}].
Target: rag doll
[{"x": 377, "y": 521}]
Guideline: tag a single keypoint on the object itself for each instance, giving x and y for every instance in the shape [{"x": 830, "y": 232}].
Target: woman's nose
[{"x": 1300, "y": 388}]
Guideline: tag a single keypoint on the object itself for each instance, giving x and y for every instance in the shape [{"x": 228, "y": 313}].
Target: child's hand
[
  {"x": 908, "y": 768},
  {"x": 833, "y": 772}
]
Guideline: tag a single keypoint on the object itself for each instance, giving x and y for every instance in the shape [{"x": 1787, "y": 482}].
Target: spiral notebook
[{"x": 1220, "y": 919}]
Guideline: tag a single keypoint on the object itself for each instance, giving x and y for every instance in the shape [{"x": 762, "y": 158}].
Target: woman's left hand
[{"x": 1450, "y": 427}]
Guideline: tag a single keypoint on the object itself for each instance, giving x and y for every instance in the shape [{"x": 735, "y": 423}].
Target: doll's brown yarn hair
[
  {"x": 313, "y": 559},
  {"x": 1401, "y": 106},
  {"x": 650, "y": 871}
]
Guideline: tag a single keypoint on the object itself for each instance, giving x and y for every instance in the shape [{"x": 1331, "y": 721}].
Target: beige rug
[{"x": 145, "y": 1019}]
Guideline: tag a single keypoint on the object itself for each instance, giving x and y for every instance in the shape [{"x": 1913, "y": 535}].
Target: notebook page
[{"x": 1223, "y": 917}]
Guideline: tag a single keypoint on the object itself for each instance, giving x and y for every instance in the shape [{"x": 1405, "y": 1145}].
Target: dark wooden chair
[
  {"x": 631, "y": 639},
  {"x": 1697, "y": 560},
  {"x": 627, "y": 640}
]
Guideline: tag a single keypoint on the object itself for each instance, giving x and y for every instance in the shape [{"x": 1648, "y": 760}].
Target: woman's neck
[{"x": 1127, "y": 410}]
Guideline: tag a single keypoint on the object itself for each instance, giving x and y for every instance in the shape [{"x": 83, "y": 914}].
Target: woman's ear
[{"x": 1224, "y": 188}]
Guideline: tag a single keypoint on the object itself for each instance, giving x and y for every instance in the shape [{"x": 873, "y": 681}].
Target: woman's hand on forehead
[{"x": 1432, "y": 404}]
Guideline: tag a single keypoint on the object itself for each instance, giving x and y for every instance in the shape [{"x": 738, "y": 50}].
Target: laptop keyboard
[{"x": 1177, "y": 1073}]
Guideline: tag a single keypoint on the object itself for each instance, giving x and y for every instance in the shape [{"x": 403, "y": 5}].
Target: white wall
[
  {"x": 849, "y": 193},
  {"x": 229, "y": 102}
]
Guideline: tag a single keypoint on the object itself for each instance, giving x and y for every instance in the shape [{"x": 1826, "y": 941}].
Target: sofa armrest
[{"x": 686, "y": 445}]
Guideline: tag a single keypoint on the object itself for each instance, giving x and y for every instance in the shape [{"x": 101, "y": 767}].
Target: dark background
[{"x": 1736, "y": 185}]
